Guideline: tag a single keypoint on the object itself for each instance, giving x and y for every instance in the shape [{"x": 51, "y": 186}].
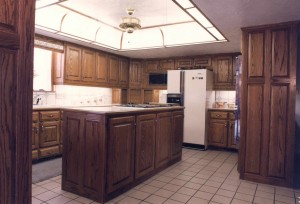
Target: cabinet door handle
[
  {"x": 43, "y": 128},
  {"x": 50, "y": 116},
  {"x": 225, "y": 124}
]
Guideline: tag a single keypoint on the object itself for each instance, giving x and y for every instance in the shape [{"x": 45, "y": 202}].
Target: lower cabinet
[
  {"x": 105, "y": 155},
  {"x": 145, "y": 144},
  {"x": 46, "y": 132},
  {"x": 120, "y": 167},
  {"x": 163, "y": 139},
  {"x": 83, "y": 154},
  {"x": 221, "y": 129}
]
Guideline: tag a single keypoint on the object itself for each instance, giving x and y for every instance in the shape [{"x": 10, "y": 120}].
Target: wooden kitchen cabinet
[
  {"x": 268, "y": 104},
  {"x": 163, "y": 139},
  {"x": 120, "y": 168},
  {"x": 73, "y": 62},
  {"x": 35, "y": 135},
  {"x": 151, "y": 65},
  {"x": 177, "y": 134},
  {"x": 123, "y": 72},
  {"x": 49, "y": 134},
  {"x": 145, "y": 144},
  {"x": 88, "y": 65},
  {"x": 159, "y": 65},
  {"x": 113, "y": 70},
  {"x": 221, "y": 129},
  {"x": 135, "y": 74},
  {"x": 101, "y": 76},
  {"x": 204, "y": 61},
  {"x": 224, "y": 73},
  {"x": 84, "y": 140},
  {"x": 116, "y": 151},
  {"x": 184, "y": 63}
]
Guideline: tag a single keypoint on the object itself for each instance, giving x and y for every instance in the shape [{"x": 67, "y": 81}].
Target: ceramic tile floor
[{"x": 201, "y": 177}]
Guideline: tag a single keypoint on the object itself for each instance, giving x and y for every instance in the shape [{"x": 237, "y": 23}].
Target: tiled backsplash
[
  {"x": 225, "y": 96},
  {"x": 68, "y": 95}
]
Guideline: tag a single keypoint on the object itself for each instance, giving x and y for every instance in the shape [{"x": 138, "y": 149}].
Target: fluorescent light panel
[
  {"x": 185, "y": 3},
  {"x": 199, "y": 17},
  {"x": 216, "y": 33}
]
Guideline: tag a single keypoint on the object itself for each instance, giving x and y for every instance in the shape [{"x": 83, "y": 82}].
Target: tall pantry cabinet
[{"x": 268, "y": 103}]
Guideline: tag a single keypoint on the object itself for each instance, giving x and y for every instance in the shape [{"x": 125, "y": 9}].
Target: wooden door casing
[
  {"x": 120, "y": 168},
  {"x": 145, "y": 144},
  {"x": 16, "y": 71}
]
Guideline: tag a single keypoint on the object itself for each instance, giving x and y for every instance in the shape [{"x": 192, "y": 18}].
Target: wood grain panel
[
  {"x": 217, "y": 133},
  {"x": 72, "y": 147},
  {"x": 73, "y": 63},
  {"x": 91, "y": 145},
  {"x": 8, "y": 134},
  {"x": 120, "y": 152},
  {"x": 224, "y": 68},
  {"x": 9, "y": 14},
  {"x": 280, "y": 53},
  {"x": 101, "y": 68},
  {"x": 163, "y": 139},
  {"x": 278, "y": 130},
  {"x": 254, "y": 128},
  {"x": 177, "y": 135},
  {"x": 145, "y": 144},
  {"x": 88, "y": 65},
  {"x": 113, "y": 70},
  {"x": 256, "y": 55}
]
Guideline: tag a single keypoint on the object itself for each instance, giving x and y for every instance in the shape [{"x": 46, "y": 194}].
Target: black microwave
[{"x": 158, "y": 78}]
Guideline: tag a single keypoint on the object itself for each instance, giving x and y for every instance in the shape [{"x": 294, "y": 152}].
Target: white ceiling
[{"x": 228, "y": 16}]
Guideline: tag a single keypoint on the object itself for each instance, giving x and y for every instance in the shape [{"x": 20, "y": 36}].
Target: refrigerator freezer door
[
  {"x": 195, "y": 106},
  {"x": 174, "y": 82}
]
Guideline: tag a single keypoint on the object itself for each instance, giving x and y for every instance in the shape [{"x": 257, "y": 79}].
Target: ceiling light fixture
[{"x": 130, "y": 24}]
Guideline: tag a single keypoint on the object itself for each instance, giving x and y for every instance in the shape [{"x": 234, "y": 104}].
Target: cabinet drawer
[
  {"x": 49, "y": 115},
  {"x": 46, "y": 152},
  {"x": 218, "y": 114},
  {"x": 35, "y": 117},
  {"x": 232, "y": 116}
]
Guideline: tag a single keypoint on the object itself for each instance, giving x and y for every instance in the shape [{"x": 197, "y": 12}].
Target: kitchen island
[{"x": 109, "y": 150}]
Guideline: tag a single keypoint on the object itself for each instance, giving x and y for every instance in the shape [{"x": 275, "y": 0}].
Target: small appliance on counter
[{"x": 190, "y": 88}]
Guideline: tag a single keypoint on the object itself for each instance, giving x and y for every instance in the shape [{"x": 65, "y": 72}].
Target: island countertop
[{"x": 111, "y": 110}]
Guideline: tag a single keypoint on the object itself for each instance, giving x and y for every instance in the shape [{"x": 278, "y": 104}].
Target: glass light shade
[{"x": 130, "y": 24}]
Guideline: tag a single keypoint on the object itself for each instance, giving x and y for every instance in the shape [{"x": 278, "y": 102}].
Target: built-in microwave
[{"x": 158, "y": 78}]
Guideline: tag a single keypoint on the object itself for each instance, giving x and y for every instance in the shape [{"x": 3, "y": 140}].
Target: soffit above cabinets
[{"x": 167, "y": 23}]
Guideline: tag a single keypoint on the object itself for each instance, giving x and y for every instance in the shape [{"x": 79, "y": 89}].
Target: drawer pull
[
  {"x": 225, "y": 124},
  {"x": 50, "y": 116}
]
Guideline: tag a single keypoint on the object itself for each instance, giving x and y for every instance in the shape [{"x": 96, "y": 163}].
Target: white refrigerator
[{"x": 196, "y": 90}]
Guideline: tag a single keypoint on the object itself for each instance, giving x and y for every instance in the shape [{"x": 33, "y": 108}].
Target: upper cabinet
[
  {"x": 155, "y": 65},
  {"x": 89, "y": 67},
  {"x": 193, "y": 62},
  {"x": 136, "y": 72},
  {"x": 101, "y": 75},
  {"x": 224, "y": 73},
  {"x": 113, "y": 70},
  {"x": 73, "y": 63}
]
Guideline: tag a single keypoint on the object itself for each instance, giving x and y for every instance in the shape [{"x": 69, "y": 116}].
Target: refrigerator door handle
[{"x": 182, "y": 73}]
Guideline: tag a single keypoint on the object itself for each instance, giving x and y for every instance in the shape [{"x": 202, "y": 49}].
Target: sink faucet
[{"x": 36, "y": 100}]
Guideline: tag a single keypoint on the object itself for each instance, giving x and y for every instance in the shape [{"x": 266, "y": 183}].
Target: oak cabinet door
[
  {"x": 151, "y": 65},
  {"x": 163, "y": 139},
  {"x": 113, "y": 70},
  {"x": 120, "y": 169},
  {"x": 73, "y": 63},
  {"x": 101, "y": 68},
  {"x": 35, "y": 136},
  {"x": 124, "y": 72},
  {"x": 166, "y": 64},
  {"x": 231, "y": 133},
  {"x": 177, "y": 134},
  {"x": 145, "y": 144},
  {"x": 88, "y": 65},
  {"x": 135, "y": 74},
  {"x": 217, "y": 133},
  {"x": 49, "y": 134}
]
